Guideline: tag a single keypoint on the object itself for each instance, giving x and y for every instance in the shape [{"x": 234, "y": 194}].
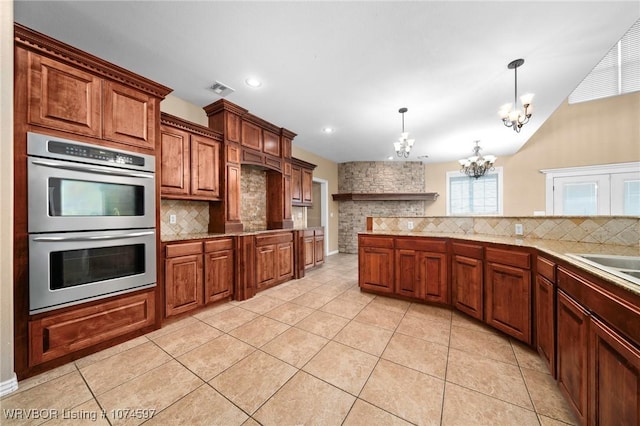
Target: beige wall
[
  {"x": 7, "y": 375},
  {"x": 603, "y": 131},
  {"x": 183, "y": 109}
]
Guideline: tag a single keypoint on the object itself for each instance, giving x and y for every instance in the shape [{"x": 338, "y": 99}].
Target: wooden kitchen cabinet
[
  {"x": 467, "y": 285},
  {"x": 301, "y": 182},
  {"x": 184, "y": 269},
  {"x": 508, "y": 292},
  {"x": 190, "y": 161},
  {"x": 421, "y": 269},
  {"x": 76, "y": 100},
  {"x": 273, "y": 259},
  {"x": 571, "y": 361},
  {"x": 614, "y": 377},
  {"x": 376, "y": 263},
  {"x": 318, "y": 251},
  {"x": 63, "y": 97},
  {"x": 219, "y": 275},
  {"x": 544, "y": 312},
  {"x": 198, "y": 273},
  {"x": 312, "y": 241}
]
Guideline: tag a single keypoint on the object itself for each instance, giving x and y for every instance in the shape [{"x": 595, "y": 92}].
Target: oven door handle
[
  {"x": 94, "y": 238},
  {"x": 90, "y": 169}
]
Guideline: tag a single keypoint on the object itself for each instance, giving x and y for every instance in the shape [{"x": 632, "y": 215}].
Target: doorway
[{"x": 317, "y": 215}]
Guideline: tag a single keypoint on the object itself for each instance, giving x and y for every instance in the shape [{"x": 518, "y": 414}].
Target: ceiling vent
[{"x": 221, "y": 89}]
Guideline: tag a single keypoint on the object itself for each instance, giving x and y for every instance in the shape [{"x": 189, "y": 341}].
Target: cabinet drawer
[
  {"x": 274, "y": 239},
  {"x": 468, "y": 250},
  {"x": 370, "y": 241},
  {"x": 508, "y": 257},
  {"x": 218, "y": 245},
  {"x": 60, "y": 334},
  {"x": 183, "y": 249},
  {"x": 546, "y": 268},
  {"x": 422, "y": 244}
]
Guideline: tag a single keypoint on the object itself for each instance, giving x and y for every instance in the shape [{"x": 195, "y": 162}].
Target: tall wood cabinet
[
  {"x": 64, "y": 92},
  {"x": 189, "y": 159}
]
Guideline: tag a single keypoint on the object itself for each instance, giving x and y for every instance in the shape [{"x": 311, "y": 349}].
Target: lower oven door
[{"x": 75, "y": 267}]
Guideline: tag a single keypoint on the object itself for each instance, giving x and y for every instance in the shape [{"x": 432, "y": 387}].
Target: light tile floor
[{"x": 310, "y": 351}]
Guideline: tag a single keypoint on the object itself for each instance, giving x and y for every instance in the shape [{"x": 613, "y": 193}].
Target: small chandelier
[
  {"x": 511, "y": 115},
  {"x": 404, "y": 144},
  {"x": 477, "y": 165}
]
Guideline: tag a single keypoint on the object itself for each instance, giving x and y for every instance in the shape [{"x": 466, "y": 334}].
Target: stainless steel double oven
[{"x": 91, "y": 222}]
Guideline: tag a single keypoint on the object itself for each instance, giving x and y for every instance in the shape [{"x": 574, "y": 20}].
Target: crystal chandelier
[
  {"x": 511, "y": 115},
  {"x": 477, "y": 165},
  {"x": 404, "y": 144}
]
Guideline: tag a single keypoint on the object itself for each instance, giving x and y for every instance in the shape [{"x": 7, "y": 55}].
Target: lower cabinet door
[
  {"x": 375, "y": 269},
  {"x": 319, "y": 249},
  {"x": 408, "y": 281},
  {"x": 309, "y": 255},
  {"x": 571, "y": 361},
  {"x": 266, "y": 266},
  {"x": 544, "y": 296},
  {"x": 285, "y": 261},
  {"x": 183, "y": 284},
  {"x": 508, "y": 300},
  {"x": 467, "y": 286},
  {"x": 433, "y": 276},
  {"x": 614, "y": 378},
  {"x": 218, "y": 275}
]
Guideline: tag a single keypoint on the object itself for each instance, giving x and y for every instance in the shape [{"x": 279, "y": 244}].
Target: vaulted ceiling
[{"x": 352, "y": 65}]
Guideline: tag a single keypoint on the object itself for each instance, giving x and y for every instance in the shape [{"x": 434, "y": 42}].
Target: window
[
  {"x": 610, "y": 189},
  {"x": 469, "y": 196},
  {"x": 616, "y": 74}
]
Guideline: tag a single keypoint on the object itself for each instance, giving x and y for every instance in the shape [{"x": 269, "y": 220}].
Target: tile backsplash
[
  {"x": 192, "y": 217},
  {"x": 619, "y": 230}
]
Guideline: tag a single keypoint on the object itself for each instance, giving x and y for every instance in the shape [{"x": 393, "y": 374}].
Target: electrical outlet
[
  {"x": 519, "y": 229},
  {"x": 409, "y": 225},
  {"x": 172, "y": 219}
]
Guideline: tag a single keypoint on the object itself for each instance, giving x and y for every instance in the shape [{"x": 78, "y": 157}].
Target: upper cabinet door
[
  {"x": 205, "y": 157},
  {"x": 251, "y": 136},
  {"x": 174, "y": 159},
  {"x": 129, "y": 116},
  {"x": 271, "y": 143},
  {"x": 63, "y": 98}
]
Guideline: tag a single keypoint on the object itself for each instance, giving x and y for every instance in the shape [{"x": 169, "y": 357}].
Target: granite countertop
[
  {"x": 556, "y": 248},
  {"x": 167, "y": 238}
]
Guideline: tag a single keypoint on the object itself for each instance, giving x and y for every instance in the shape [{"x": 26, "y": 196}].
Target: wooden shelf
[{"x": 395, "y": 196}]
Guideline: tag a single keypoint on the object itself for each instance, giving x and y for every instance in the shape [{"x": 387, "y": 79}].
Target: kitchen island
[{"x": 583, "y": 321}]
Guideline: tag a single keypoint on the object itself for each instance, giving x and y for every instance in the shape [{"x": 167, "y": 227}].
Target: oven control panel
[{"x": 93, "y": 153}]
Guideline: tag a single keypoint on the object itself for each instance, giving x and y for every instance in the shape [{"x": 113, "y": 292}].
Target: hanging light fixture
[
  {"x": 477, "y": 165},
  {"x": 404, "y": 144},
  {"x": 511, "y": 115}
]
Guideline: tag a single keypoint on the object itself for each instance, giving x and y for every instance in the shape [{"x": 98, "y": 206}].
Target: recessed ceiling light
[
  {"x": 327, "y": 130},
  {"x": 390, "y": 157},
  {"x": 253, "y": 82}
]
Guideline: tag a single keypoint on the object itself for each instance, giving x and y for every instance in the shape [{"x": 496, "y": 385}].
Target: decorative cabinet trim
[{"x": 47, "y": 46}]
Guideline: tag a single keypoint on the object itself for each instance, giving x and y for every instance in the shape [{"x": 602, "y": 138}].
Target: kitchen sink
[{"x": 625, "y": 267}]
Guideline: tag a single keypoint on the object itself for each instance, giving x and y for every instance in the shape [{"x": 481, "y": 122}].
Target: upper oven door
[{"x": 71, "y": 196}]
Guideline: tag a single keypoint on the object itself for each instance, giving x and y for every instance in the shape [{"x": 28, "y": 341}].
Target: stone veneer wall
[
  {"x": 619, "y": 230},
  {"x": 192, "y": 217},
  {"x": 375, "y": 177},
  {"x": 253, "y": 187}
]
